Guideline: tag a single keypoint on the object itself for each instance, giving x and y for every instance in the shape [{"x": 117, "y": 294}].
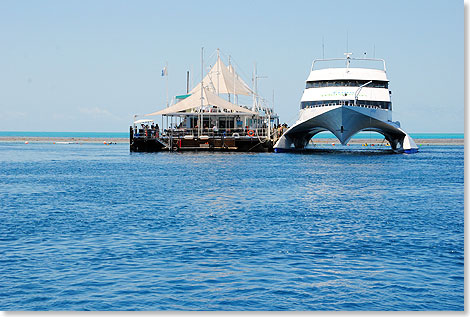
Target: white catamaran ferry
[{"x": 345, "y": 101}]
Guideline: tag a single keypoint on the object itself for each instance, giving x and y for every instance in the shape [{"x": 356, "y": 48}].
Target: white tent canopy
[
  {"x": 209, "y": 99},
  {"x": 224, "y": 80}
]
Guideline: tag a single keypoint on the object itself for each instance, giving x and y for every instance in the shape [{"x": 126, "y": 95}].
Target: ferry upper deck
[{"x": 362, "y": 87}]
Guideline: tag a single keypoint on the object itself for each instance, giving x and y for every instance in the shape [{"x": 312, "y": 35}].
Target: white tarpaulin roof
[
  {"x": 222, "y": 80},
  {"x": 194, "y": 101}
]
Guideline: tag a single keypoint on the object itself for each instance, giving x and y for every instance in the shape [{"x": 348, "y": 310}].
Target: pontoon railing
[{"x": 221, "y": 132}]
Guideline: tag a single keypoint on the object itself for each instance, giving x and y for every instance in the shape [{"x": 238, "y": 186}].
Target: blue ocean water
[
  {"x": 64, "y": 134},
  {"x": 94, "y": 227},
  {"x": 126, "y": 135}
]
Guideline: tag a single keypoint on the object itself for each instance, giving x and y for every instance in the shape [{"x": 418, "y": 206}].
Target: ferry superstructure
[{"x": 345, "y": 101}]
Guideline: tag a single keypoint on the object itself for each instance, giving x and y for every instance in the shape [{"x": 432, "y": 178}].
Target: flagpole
[{"x": 166, "y": 74}]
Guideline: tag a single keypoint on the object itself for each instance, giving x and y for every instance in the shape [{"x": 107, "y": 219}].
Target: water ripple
[{"x": 96, "y": 228}]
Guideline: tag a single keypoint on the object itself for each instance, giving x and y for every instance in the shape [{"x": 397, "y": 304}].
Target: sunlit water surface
[{"x": 94, "y": 227}]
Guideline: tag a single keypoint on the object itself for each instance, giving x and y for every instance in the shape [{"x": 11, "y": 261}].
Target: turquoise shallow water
[
  {"x": 93, "y": 227},
  {"x": 126, "y": 135},
  {"x": 65, "y": 134}
]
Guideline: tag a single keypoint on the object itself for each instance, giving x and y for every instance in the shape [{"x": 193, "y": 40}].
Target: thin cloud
[
  {"x": 98, "y": 113},
  {"x": 13, "y": 115}
]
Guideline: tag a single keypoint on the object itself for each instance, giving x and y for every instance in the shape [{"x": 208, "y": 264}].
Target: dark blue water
[{"x": 93, "y": 227}]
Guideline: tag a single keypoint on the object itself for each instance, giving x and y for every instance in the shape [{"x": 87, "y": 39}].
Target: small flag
[{"x": 164, "y": 71}]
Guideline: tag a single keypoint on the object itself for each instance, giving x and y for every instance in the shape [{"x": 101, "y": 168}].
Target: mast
[
  {"x": 269, "y": 118},
  {"x": 235, "y": 96},
  {"x": 202, "y": 92},
  {"x": 218, "y": 71},
  {"x": 229, "y": 65},
  {"x": 255, "y": 92},
  {"x": 348, "y": 59},
  {"x": 273, "y": 102},
  {"x": 255, "y": 88}
]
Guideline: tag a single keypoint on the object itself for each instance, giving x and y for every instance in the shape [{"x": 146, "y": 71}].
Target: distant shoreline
[{"x": 443, "y": 141}]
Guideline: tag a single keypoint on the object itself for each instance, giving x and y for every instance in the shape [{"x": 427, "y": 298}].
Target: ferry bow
[{"x": 346, "y": 101}]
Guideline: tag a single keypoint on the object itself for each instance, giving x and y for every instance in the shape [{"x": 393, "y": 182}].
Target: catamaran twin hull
[{"x": 344, "y": 122}]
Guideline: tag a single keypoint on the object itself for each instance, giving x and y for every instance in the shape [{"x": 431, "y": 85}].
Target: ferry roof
[{"x": 347, "y": 73}]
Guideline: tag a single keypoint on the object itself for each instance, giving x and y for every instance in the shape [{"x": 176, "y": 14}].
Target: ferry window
[
  {"x": 359, "y": 103},
  {"x": 346, "y": 83}
]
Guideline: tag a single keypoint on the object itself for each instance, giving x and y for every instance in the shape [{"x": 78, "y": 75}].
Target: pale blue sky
[{"x": 91, "y": 65}]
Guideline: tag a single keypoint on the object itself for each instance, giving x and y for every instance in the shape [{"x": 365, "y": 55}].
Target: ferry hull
[{"x": 344, "y": 122}]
